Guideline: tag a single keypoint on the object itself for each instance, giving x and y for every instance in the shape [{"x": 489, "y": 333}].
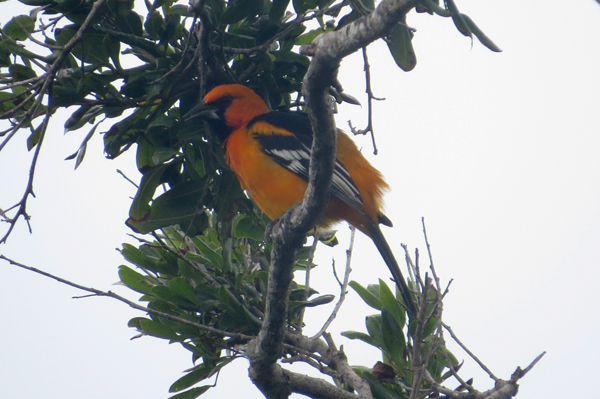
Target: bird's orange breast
[{"x": 272, "y": 187}]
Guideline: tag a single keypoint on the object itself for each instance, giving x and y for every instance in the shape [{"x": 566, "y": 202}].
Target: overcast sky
[{"x": 499, "y": 152}]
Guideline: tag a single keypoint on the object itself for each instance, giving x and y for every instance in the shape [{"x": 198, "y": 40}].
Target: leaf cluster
[
  {"x": 131, "y": 71},
  {"x": 218, "y": 284},
  {"x": 391, "y": 332}
]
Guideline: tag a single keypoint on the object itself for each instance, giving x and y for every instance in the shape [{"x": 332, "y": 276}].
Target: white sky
[{"x": 499, "y": 152}]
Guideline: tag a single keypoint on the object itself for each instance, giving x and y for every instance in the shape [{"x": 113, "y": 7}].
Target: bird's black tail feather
[{"x": 390, "y": 260}]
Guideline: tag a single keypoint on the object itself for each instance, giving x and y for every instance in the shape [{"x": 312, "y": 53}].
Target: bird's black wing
[{"x": 292, "y": 151}]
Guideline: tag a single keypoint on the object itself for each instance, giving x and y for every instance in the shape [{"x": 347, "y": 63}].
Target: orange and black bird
[{"x": 270, "y": 153}]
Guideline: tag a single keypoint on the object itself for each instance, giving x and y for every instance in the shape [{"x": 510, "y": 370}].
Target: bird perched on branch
[{"x": 270, "y": 153}]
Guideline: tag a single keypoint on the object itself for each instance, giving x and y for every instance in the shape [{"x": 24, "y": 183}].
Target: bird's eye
[{"x": 223, "y": 102}]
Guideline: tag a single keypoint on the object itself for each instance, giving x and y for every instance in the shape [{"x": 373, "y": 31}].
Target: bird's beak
[{"x": 202, "y": 110}]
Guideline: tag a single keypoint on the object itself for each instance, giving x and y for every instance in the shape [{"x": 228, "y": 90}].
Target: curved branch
[{"x": 289, "y": 233}]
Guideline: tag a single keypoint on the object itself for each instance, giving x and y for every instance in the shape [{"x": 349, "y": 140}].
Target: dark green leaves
[
  {"x": 91, "y": 49},
  {"x": 134, "y": 280},
  {"x": 240, "y": 9},
  {"x": 176, "y": 206},
  {"x": 464, "y": 24},
  {"x": 400, "y": 45},
  {"x": 247, "y": 227},
  {"x": 278, "y": 8},
  {"x": 391, "y": 304},
  {"x": 387, "y": 330}
]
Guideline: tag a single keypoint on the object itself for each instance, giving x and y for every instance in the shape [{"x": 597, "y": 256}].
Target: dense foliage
[{"x": 130, "y": 71}]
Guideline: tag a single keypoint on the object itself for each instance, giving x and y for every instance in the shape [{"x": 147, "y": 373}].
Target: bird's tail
[{"x": 390, "y": 260}]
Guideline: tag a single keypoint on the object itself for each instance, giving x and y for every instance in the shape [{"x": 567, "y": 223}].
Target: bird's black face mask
[{"x": 214, "y": 114}]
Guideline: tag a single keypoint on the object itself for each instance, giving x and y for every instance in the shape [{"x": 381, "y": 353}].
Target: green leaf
[
  {"x": 197, "y": 374},
  {"x": 19, "y": 27},
  {"x": 5, "y": 105},
  {"x": 182, "y": 289},
  {"x": 301, "y": 6},
  {"x": 228, "y": 195},
  {"x": 35, "y": 136},
  {"x": 158, "y": 4},
  {"x": 83, "y": 147},
  {"x": 21, "y": 72},
  {"x": 366, "y": 295},
  {"x": 449, "y": 360},
  {"x": 458, "y": 19},
  {"x": 91, "y": 49},
  {"x": 82, "y": 116},
  {"x": 154, "y": 25},
  {"x": 430, "y": 327},
  {"x": 348, "y": 18},
  {"x": 359, "y": 335},
  {"x": 138, "y": 257},
  {"x": 36, "y": 3},
  {"x": 400, "y": 45},
  {"x": 162, "y": 155},
  {"x": 130, "y": 23},
  {"x": 486, "y": 41},
  {"x": 179, "y": 205},
  {"x": 277, "y": 10},
  {"x": 240, "y": 9},
  {"x": 180, "y": 9},
  {"x": 192, "y": 393},
  {"x": 308, "y": 37},
  {"x": 390, "y": 303},
  {"x": 12, "y": 47},
  {"x": 214, "y": 258},
  {"x": 431, "y": 6},
  {"x": 379, "y": 389},
  {"x": 150, "y": 181},
  {"x": 375, "y": 328},
  {"x": 393, "y": 338},
  {"x": 144, "y": 153},
  {"x": 134, "y": 280},
  {"x": 157, "y": 329},
  {"x": 320, "y": 300},
  {"x": 246, "y": 227},
  {"x": 172, "y": 29}
]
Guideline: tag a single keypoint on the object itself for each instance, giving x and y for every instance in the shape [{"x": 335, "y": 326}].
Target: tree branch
[
  {"x": 134, "y": 305},
  {"x": 288, "y": 235},
  {"x": 45, "y": 88},
  {"x": 343, "y": 286}
]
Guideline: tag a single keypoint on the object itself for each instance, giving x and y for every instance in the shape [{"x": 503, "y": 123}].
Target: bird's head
[{"x": 227, "y": 108}]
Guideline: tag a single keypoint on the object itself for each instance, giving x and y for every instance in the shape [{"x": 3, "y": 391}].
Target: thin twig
[
  {"x": 436, "y": 279},
  {"x": 419, "y": 364},
  {"x": 309, "y": 266},
  {"x": 176, "y": 67},
  {"x": 370, "y": 98},
  {"x": 29, "y": 114},
  {"x": 110, "y": 294},
  {"x": 119, "y": 171},
  {"x": 343, "y": 286},
  {"x": 528, "y": 368},
  {"x": 471, "y": 354},
  {"x": 33, "y": 39},
  {"x": 22, "y": 211}
]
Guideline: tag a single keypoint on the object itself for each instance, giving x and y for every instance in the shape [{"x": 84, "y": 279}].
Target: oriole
[{"x": 270, "y": 153}]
